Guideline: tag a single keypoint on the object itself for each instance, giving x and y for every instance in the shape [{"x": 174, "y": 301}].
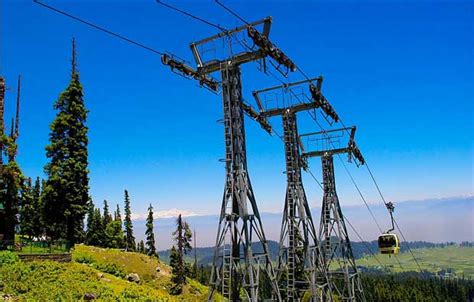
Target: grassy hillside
[
  {"x": 96, "y": 271},
  {"x": 455, "y": 258}
]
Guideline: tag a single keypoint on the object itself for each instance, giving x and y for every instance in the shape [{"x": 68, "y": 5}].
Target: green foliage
[
  {"x": 129, "y": 238},
  {"x": 37, "y": 221},
  {"x": 101, "y": 234},
  {"x": 141, "y": 247},
  {"x": 31, "y": 210},
  {"x": 183, "y": 237},
  {"x": 27, "y": 210},
  {"x": 178, "y": 277},
  {"x": 410, "y": 287},
  {"x": 150, "y": 235},
  {"x": 114, "y": 234},
  {"x": 107, "y": 217},
  {"x": 152, "y": 271},
  {"x": 117, "y": 216},
  {"x": 96, "y": 232},
  {"x": 11, "y": 187},
  {"x": 51, "y": 281},
  {"x": 66, "y": 194},
  {"x": 7, "y": 257}
]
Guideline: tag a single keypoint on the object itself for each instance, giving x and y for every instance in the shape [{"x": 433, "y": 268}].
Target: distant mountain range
[
  {"x": 434, "y": 220},
  {"x": 204, "y": 255}
]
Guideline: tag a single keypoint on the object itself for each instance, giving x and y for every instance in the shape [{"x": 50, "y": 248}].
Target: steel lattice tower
[
  {"x": 333, "y": 235},
  {"x": 236, "y": 262},
  {"x": 241, "y": 252},
  {"x": 300, "y": 263}
]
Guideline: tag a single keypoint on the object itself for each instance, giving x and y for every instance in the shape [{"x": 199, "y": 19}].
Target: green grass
[
  {"x": 95, "y": 271},
  {"x": 152, "y": 272},
  {"x": 51, "y": 281},
  {"x": 459, "y": 259}
]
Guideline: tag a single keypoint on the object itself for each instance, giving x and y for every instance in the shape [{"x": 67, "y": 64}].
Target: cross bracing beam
[{"x": 352, "y": 149}]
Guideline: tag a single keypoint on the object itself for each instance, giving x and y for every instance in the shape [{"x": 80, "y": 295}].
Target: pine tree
[
  {"x": 183, "y": 237},
  {"x": 129, "y": 238},
  {"x": 37, "y": 217},
  {"x": 141, "y": 247},
  {"x": 90, "y": 224},
  {"x": 177, "y": 270},
  {"x": 66, "y": 195},
  {"x": 27, "y": 210},
  {"x": 114, "y": 234},
  {"x": 117, "y": 215},
  {"x": 107, "y": 216},
  {"x": 97, "y": 236},
  {"x": 150, "y": 236}
]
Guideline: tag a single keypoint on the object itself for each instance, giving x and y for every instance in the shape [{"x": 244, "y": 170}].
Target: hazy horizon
[{"x": 437, "y": 220}]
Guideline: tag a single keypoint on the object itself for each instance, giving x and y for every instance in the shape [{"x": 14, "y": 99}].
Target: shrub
[{"x": 7, "y": 257}]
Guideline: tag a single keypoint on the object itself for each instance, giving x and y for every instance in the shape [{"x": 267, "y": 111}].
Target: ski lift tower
[
  {"x": 300, "y": 263},
  {"x": 241, "y": 250},
  {"x": 333, "y": 236}
]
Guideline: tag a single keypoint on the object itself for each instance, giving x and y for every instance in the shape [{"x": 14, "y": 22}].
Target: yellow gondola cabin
[{"x": 389, "y": 244}]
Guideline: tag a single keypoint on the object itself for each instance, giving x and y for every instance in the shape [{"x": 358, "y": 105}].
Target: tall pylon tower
[
  {"x": 336, "y": 246},
  {"x": 241, "y": 256},
  {"x": 300, "y": 263}
]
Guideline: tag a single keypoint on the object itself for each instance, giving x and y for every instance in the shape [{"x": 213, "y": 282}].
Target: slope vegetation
[{"x": 95, "y": 272}]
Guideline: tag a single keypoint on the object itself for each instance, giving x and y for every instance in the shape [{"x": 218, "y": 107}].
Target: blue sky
[{"x": 402, "y": 71}]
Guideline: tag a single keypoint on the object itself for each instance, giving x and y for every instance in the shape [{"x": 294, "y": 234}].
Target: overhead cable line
[
  {"x": 360, "y": 194},
  {"x": 191, "y": 15},
  {"x": 339, "y": 157},
  {"x": 231, "y": 12},
  {"x": 345, "y": 167},
  {"x": 99, "y": 28},
  {"x": 363, "y": 241},
  {"x": 399, "y": 263},
  {"x": 409, "y": 249}
]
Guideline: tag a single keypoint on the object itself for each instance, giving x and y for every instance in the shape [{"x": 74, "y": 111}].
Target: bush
[{"x": 7, "y": 257}]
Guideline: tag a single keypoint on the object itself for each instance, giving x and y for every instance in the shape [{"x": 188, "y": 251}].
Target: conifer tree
[
  {"x": 129, "y": 238},
  {"x": 150, "y": 235},
  {"x": 182, "y": 236},
  {"x": 97, "y": 231},
  {"x": 117, "y": 215},
  {"x": 90, "y": 223},
  {"x": 114, "y": 234},
  {"x": 177, "y": 270},
  {"x": 27, "y": 210},
  {"x": 37, "y": 223},
  {"x": 66, "y": 194},
  {"x": 107, "y": 216},
  {"x": 141, "y": 247}
]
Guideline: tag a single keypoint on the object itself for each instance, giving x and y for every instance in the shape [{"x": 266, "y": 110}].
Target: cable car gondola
[{"x": 388, "y": 242}]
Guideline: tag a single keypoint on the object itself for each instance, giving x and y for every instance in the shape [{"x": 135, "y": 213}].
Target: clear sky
[{"x": 402, "y": 71}]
